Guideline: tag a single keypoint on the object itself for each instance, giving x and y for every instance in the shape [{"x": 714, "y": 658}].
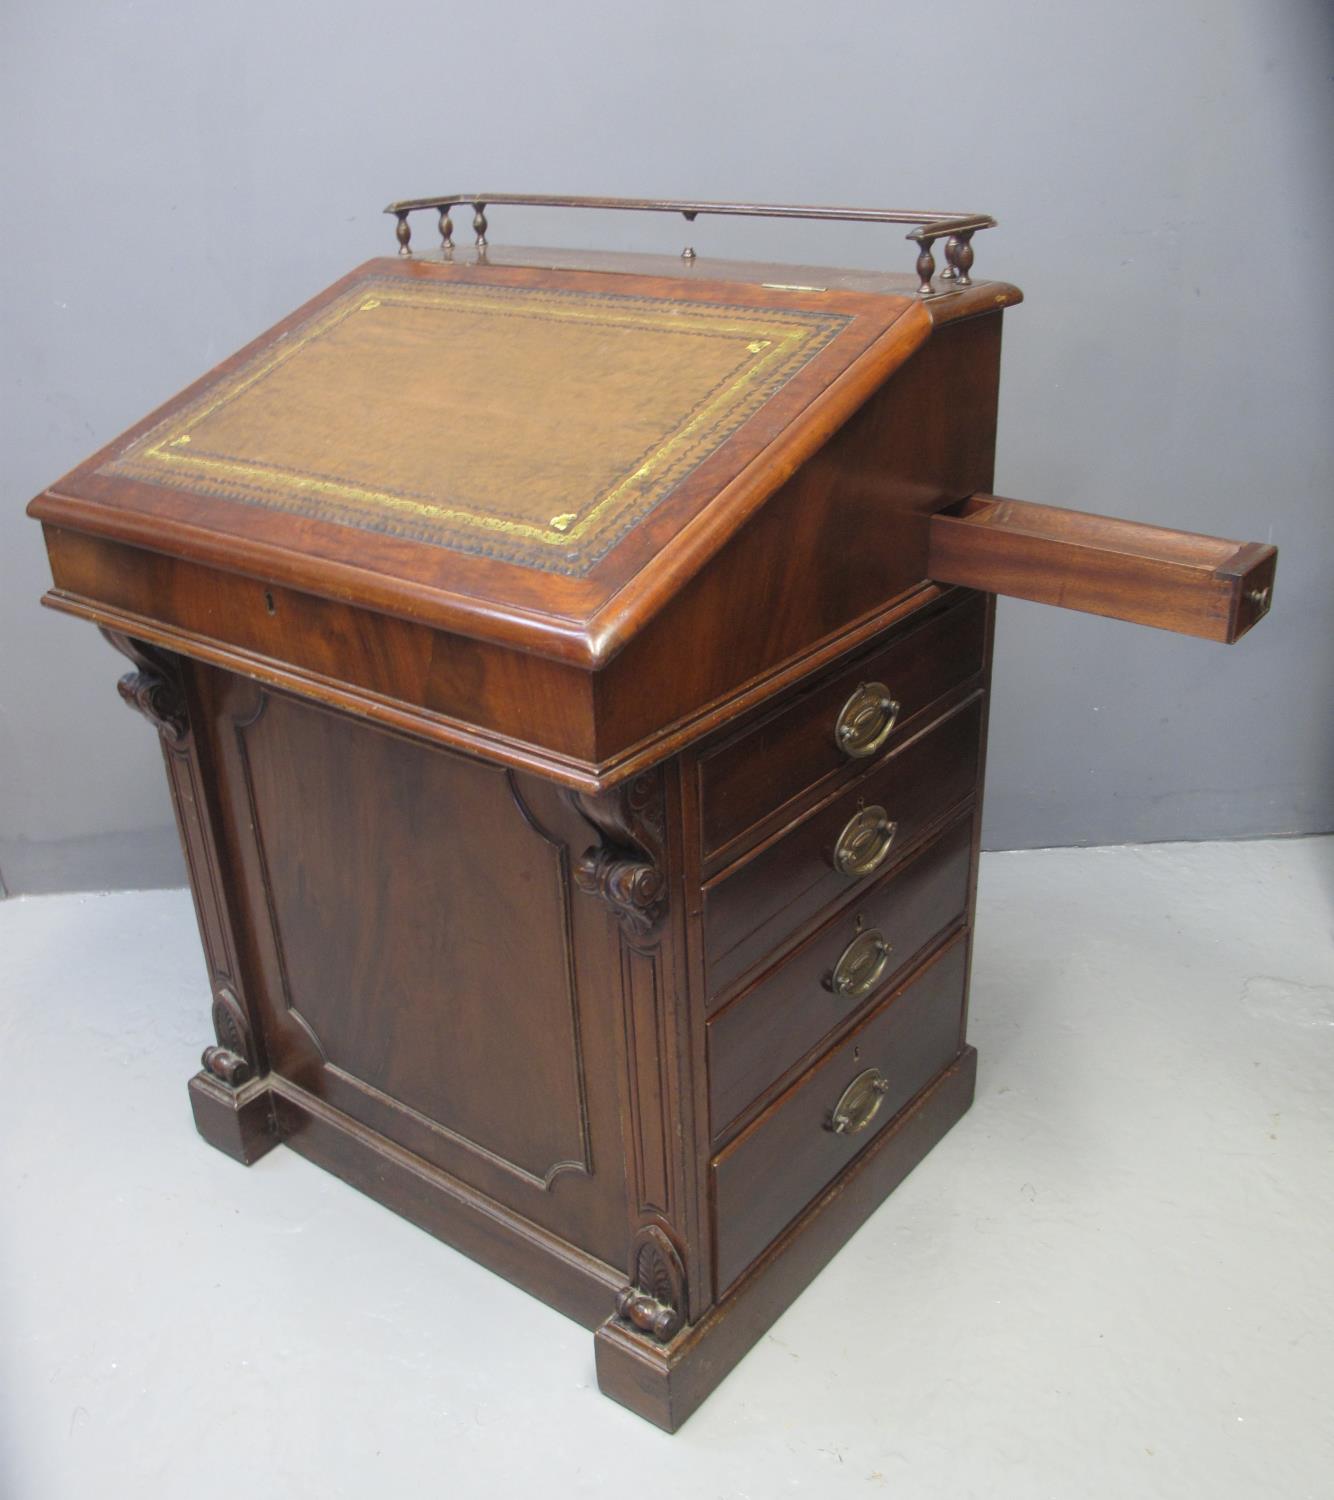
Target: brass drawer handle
[
  {"x": 865, "y": 720},
  {"x": 864, "y": 844},
  {"x": 859, "y": 1103},
  {"x": 861, "y": 965}
]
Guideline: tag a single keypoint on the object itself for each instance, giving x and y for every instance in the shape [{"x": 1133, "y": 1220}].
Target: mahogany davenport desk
[{"x": 572, "y": 678}]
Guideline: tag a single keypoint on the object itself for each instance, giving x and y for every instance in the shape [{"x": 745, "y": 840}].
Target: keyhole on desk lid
[
  {"x": 856, "y": 1054},
  {"x": 269, "y": 604}
]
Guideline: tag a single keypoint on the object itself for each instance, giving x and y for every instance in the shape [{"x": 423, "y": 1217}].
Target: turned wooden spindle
[
  {"x": 479, "y": 224},
  {"x": 951, "y": 256},
  {"x": 926, "y": 265},
  {"x": 446, "y": 227},
  {"x": 963, "y": 258},
  {"x": 403, "y": 234}
]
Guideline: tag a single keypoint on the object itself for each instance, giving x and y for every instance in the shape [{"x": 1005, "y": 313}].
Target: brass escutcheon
[
  {"x": 864, "y": 843},
  {"x": 865, "y": 720},
  {"x": 859, "y": 1103},
  {"x": 861, "y": 965}
]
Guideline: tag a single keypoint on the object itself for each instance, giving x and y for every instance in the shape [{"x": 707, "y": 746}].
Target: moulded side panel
[{"x": 426, "y": 963}]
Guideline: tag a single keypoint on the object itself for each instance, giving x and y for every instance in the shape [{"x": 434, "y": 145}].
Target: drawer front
[
  {"x": 764, "y": 1179},
  {"x": 812, "y": 741},
  {"x": 760, "y": 903},
  {"x": 844, "y": 967}
]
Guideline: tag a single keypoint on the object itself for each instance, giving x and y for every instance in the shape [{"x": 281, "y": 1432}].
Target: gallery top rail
[{"x": 956, "y": 229}]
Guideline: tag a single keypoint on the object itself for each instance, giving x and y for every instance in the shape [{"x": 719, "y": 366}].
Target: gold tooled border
[{"x": 779, "y": 342}]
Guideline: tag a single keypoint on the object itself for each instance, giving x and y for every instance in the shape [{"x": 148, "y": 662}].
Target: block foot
[{"x": 240, "y": 1122}]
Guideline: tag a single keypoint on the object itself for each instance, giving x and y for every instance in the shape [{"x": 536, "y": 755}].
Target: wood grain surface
[{"x": 1173, "y": 580}]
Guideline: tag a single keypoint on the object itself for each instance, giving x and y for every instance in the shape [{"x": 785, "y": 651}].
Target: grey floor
[{"x": 1114, "y": 1278}]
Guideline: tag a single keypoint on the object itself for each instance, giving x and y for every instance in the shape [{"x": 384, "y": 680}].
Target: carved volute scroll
[
  {"x": 232, "y": 1061},
  {"x": 160, "y": 702},
  {"x": 655, "y": 1300},
  {"x": 632, "y": 887},
  {"x": 154, "y": 690},
  {"x": 626, "y": 869}
]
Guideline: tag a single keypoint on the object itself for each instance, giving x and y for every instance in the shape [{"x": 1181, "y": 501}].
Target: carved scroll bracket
[
  {"x": 655, "y": 1300},
  {"x": 626, "y": 869},
  {"x": 232, "y": 1061},
  {"x": 155, "y": 689}
]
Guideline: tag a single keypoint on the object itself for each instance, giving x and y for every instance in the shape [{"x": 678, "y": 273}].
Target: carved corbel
[
  {"x": 655, "y": 1300},
  {"x": 154, "y": 690},
  {"x": 626, "y": 869}
]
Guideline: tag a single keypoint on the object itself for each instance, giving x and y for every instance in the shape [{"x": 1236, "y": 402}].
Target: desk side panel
[
  {"x": 828, "y": 557},
  {"x": 419, "y": 957}
]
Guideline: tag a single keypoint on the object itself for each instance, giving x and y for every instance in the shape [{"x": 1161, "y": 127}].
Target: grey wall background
[{"x": 177, "y": 177}]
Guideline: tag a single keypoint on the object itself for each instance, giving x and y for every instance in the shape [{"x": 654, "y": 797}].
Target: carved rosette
[
  {"x": 625, "y": 869},
  {"x": 655, "y": 1300}
]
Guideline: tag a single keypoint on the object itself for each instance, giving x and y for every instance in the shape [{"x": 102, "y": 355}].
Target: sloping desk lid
[{"x": 539, "y": 457}]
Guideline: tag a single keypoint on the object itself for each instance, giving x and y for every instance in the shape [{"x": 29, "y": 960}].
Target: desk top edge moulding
[{"x": 572, "y": 672}]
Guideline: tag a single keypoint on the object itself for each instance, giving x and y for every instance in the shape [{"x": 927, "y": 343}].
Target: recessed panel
[{"x": 421, "y": 920}]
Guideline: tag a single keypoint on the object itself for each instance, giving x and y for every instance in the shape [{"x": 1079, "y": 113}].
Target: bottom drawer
[{"x": 771, "y": 1171}]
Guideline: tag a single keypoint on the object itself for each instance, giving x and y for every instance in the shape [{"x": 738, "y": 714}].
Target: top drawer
[{"x": 799, "y": 748}]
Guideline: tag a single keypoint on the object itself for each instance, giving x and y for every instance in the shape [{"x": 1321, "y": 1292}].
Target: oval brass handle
[
  {"x": 865, "y": 720},
  {"x": 865, "y": 842},
  {"x": 859, "y": 1103},
  {"x": 861, "y": 965}
]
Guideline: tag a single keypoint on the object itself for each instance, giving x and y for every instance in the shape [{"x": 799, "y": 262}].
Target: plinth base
[{"x": 662, "y": 1383}]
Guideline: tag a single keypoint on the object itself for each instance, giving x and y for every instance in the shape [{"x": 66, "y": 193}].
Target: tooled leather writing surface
[
  {"x": 531, "y": 425},
  {"x": 537, "y": 458}
]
